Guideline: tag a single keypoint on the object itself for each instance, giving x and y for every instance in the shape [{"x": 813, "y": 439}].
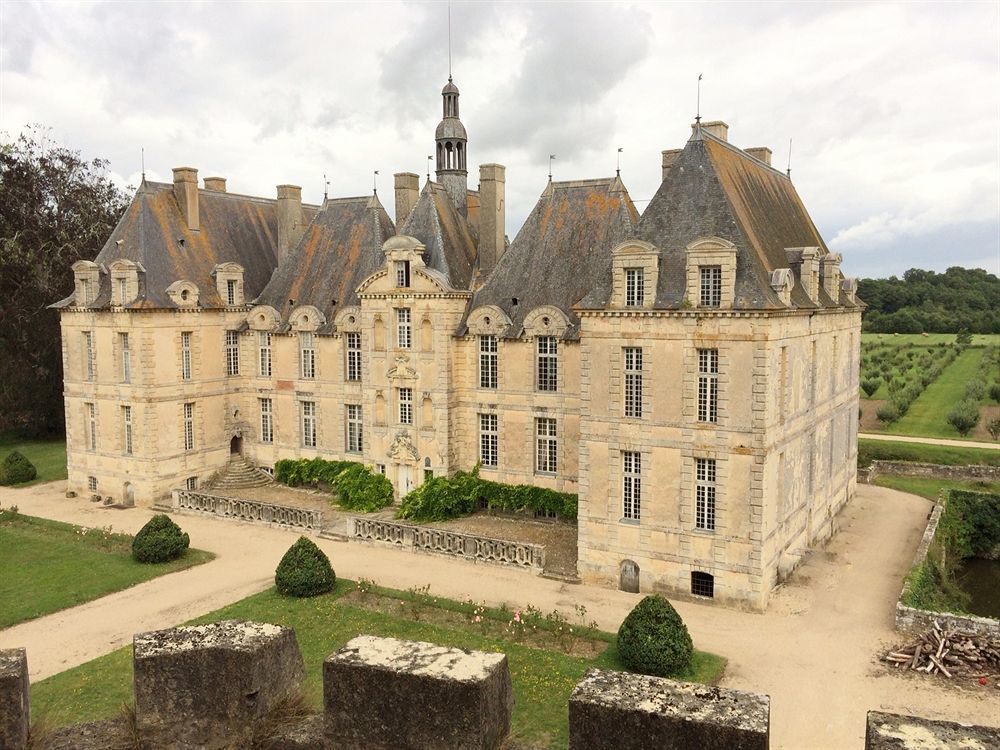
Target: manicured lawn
[
  {"x": 890, "y": 450},
  {"x": 48, "y": 456},
  {"x": 47, "y": 566},
  {"x": 931, "y": 339},
  {"x": 543, "y": 677},
  {"x": 932, "y": 489}
]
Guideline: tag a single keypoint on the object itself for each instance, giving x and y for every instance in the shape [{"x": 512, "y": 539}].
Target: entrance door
[
  {"x": 404, "y": 479},
  {"x": 128, "y": 495},
  {"x": 236, "y": 446}
]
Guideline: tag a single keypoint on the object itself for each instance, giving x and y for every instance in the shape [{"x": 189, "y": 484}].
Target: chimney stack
[
  {"x": 407, "y": 192},
  {"x": 186, "y": 192},
  {"x": 492, "y": 196},
  {"x": 761, "y": 153},
  {"x": 290, "y": 225},
  {"x": 215, "y": 184},
  {"x": 669, "y": 157},
  {"x": 830, "y": 272},
  {"x": 805, "y": 260}
]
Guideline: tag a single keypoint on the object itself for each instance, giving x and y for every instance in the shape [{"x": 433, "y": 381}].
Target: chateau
[{"x": 690, "y": 371}]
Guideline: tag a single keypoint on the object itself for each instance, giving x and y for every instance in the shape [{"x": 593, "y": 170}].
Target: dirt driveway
[{"x": 812, "y": 652}]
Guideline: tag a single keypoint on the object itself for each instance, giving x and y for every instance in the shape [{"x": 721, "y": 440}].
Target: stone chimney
[
  {"x": 473, "y": 204},
  {"x": 492, "y": 215},
  {"x": 669, "y": 157},
  {"x": 407, "y": 192},
  {"x": 850, "y": 288},
  {"x": 186, "y": 192},
  {"x": 761, "y": 153},
  {"x": 717, "y": 128},
  {"x": 290, "y": 224},
  {"x": 805, "y": 260},
  {"x": 830, "y": 273},
  {"x": 215, "y": 184}
]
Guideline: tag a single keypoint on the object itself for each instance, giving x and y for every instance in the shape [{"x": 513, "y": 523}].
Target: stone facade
[
  {"x": 899, "y": 732},
  {"x": 705, "y": 413}
]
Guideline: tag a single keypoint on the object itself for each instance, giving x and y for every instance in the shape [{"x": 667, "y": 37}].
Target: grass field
[
  {"x": 48, "y": 456},
  {"x": 918, "y": 339},
  {"x": 542, "y": 677},
  {"x": 931, "y": 488},
  {"x": 889, "y": 450},
  {"x": 47, "y": 566}
]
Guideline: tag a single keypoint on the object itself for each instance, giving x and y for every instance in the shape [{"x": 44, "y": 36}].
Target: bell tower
[{"x": 451, "y": 149}]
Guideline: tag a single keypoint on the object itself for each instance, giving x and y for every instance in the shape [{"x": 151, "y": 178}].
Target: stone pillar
[
  {"x": 205, "y": 686},
  {"x": 290, "y": 225},
  {"x": 14, "y": 704},
  {"x": 623, "y": 711},
  {"x": 383, "y": 693},
  {"x": 407, "y": 187},
  {"x": 899, "y": 732}
]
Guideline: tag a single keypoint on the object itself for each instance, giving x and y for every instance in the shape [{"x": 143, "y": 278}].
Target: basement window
[
  {"x": 92, "y": 484},
  {"x": 191, "y": 483},
  {"x": 702, "y": 584}
]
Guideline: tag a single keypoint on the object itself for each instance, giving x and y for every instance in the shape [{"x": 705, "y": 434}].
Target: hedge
[
  {"x": 357, "y": 487},
  {"x": 441, "y": 498}
]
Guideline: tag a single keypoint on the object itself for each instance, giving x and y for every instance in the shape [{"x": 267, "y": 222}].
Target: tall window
[
  {"x": 307, "y": 355},
  {"x": 708, "y": 385},
  {"x": 488, "y": 362},
  {"x": 711, "y": 286},
  {"x": 231, "y": 291},
  {"x": 635, "y": 294},
  {"x": 122, "y": 291},
  {"x": 127, "y": 429},
  {"x": 309, "y": 424},
  {"x": 355, "y": 434},
  {"x": 546, "y": 447},
  {"x": 405, "y": 399},
  {"x": 704, "y": 494},
  {"x": 548, "y": 363},
  {"x": 266, "y": 420},
  {"x": 188, "y": 427},
  {"x": 92, "y": 427},
  {"x": 489, "y": 440},
  {"x": 631, "y": 484},
  {"x": 185, "y": 355},
  {"x": 88, "y": 355},
  {"x": 404, "y": 333},
  {"x": 264, "y": 354},
  {"x": 123, "y": 344},
  {"x": 354, "y": 357},
  {"x": 633, "y": 382},
  {"x": 232, "y": 353},
  {"x": 402, "y": 273}
]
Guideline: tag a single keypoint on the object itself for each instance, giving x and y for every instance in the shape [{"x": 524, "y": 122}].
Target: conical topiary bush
[
  {"x": 159, "y": 540},
  {"x": 654, "y": 640},
  {"x": 16, "y": 469},
  {"x": 305, "y": 570}
]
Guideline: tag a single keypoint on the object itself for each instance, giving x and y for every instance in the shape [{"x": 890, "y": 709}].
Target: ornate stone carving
[
  {"x": 403, "y": 449},
  {"x": 402, "y": 370}
]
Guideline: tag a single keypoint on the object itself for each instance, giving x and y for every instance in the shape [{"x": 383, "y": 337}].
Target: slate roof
[
  {"x": 339, "y": 249},
  {"x": 451, "y": 247},
  {"x": 232, "y": 228},
  {"x": 562, "y": 251}
]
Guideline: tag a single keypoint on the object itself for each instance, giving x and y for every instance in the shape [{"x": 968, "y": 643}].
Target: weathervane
[
  {"x": 551, "y": 159},
  {"x": 618, "y": 168},
  {"x": 142, "y": 161},
  {"x": 449, "y": 41},
  {"x": 697, "y": 115},
  {"x": 375, "y": 182},
  {"x": 429, "y": 160},
  {"x": 326, "y": 187},
  {"x": 788, "y": 169}
]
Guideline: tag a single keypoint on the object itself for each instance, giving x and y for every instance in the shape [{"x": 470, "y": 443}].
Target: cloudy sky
[{"x": 893, "y": 109}]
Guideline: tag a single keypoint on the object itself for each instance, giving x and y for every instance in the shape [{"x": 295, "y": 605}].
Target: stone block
[
  {"x": 900, "y": 732},
  {"x": 205, "y": 685},
  {"x": 13, "y": 699},
  {"x": 382, "y": 693},
  {"x": 623, "y": 711}
]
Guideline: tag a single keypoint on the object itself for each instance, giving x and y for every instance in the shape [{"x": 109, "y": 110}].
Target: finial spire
[
  {"x": 430, "y": 160},
  {"x": 551, "y": 159},
  {"x": 449, "y": 41},
  {"x": 788, "y": 169},
  {"x": 618, "y": 167},
  {"x": 142, "y": 161},
  {"x": 697, "y": 115},
  {"x": 375, "y": 183},
  {"x": 326, "y": 187}
]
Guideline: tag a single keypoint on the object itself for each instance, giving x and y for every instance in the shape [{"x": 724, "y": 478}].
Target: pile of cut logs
[{"x": 953, "y": 653}]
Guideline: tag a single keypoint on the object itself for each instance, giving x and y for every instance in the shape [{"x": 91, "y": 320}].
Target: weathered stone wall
[
  {"x": 13, "y": 699},
  {"x": 933, "y": 471},
  {"x": 898, "y": 732}
]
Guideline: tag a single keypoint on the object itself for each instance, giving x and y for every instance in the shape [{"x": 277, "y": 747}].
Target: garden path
[
  {"x": 813, "y": 651},
  {"x": 929, "y": 441}
]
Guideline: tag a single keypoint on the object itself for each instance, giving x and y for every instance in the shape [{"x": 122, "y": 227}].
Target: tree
[
  {"x": 993, "y": 427},
  {"x": 964, "y": 416},
  {"x": 55, "y": 208}
]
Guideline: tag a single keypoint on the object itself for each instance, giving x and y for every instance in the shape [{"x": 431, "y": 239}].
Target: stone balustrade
[
  {"x": 445, "y": 542},
  {"x": 252, "y": 511}
]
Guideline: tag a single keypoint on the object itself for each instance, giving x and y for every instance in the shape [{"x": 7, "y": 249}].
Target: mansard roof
[
  {"x": 562, "y": 251},
  {"x": 339, "y": 249},
  {"x": 451, "y": 247}
]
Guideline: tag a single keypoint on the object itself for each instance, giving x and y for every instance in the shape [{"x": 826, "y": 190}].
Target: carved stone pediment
[
  {"x": 402, "y": 370},
  {"x": 402, "y": 448}
]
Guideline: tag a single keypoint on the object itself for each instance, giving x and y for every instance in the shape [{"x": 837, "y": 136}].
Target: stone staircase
[{"x": 239, "y": 473}]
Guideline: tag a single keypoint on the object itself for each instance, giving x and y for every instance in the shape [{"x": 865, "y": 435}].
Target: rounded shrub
[
  {"x": 995, "y": 392},
  {"x": 16, "y": 469},
  {"x": 887, "y": 413},
  {"x": 159, "y": 540},
  {"x": 305, "y": 570},
  {"x": 870, "y": 385},
  {"x": 654, "y": 640},
  {"x": 975, "y": 390},
  {"x": 964, "y": 416}
]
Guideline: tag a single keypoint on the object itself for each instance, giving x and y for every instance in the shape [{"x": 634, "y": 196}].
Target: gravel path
[
  {"x": 813, "y": 652},
  {"x": 930, "y": 441}
]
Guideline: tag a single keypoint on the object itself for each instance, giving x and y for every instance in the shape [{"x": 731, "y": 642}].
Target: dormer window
[
  {"x": 711, "y": 286},
  {"x": 87, "y": 279},
  {"x": 230, "y": 291},
  {"x": 711, "y": 273},
  {"x": 634, "y": 287},
  {"x": 229, "y": 283},
  {"x": 402, "y": 273}
]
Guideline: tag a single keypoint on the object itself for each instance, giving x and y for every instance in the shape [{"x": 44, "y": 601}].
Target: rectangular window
[
  {"x": 355, "y": 433},
  {"x": 92, "y": 427},
  {"x": 380, "y": 468},
  {"x": 834, "y": 364},
  {"x": 232, "y": 353},
  {"x": 428, "y": 475},
  {"x": 307, "y": 355},
  {"x": 546, "y": 446},
  {"x": 548, "y": 363},
  {"x": 702, "y": 584},
  {"x": 635, "y": 294},
  {"x": 266, "y": 420},
  {"x": 402, "y": 273},
  {"x": 188, "y": 427},
  {"x": 123, "y": 344},
  {"x": 264, "y": 354},
  {"x": 704, "y": 498},
  {"x": 783, "y": 385},
  {"x": 231, "y": 291},
  {"x": 92, "y": 484},
  {"x": 122, "y": 291},
  {"x": 711, "y": 286},
  {"x": 708, "y": 385},
  {"x": 405, "y": 400},
  {"x": 631, "y": 484},
  {"x": 191, "y": 483},
  {"x": 308, "y": 424},
  {"x": 489, "y": 440},
  {"x": 127, "y": 429},
  {"x": 88, "y": 355},
  {"x": 185, "y": 355},
  {"x": 403, "y": 333},
  {"x": 633, "y": 382},
  {"x": 488, "y": 362},
  {"x": 354, "y": 357}
]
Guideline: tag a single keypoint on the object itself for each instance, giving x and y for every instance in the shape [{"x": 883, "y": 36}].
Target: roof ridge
[{"x": 743, "y": 153}]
